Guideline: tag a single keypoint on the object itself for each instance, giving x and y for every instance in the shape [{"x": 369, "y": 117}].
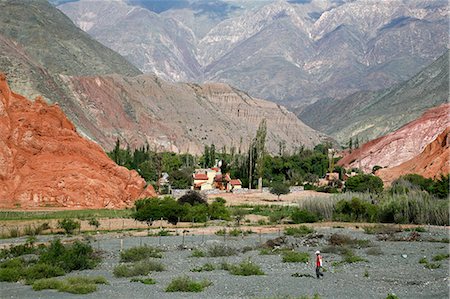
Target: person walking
[{"x": 318, "y": 264}]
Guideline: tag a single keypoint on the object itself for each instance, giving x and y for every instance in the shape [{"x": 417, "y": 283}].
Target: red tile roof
[
  {"x": 216, "y": 169},
  {"x": 200, "y": 176},
  {"x": 235, "y": 182}
]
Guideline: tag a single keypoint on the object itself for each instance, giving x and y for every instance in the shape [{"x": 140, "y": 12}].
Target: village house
[{"x": 212, "y": 178}]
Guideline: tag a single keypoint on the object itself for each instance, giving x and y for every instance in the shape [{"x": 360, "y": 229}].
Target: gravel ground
[{"x": 397, "y": 270}]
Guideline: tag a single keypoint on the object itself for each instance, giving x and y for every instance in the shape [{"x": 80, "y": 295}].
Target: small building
[{"x": 234, "y": 184}]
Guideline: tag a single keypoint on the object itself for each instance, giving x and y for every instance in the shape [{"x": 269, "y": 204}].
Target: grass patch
[
  {"x": 187, "y": 284},
  {"x": 197, "y": 253},
  {"x": 423, "y": 261},
  {"x": 140, "y": 268},
  {"x": 135, "y": 254},
  {"x": 300, "y": 231},
  {"x": 418, "y": 229},
  {"x": 440, "y": 257},
  {"x": 432, "y": 265},
  {"x": 246, "y": 268},
  {"x": 295, "y": 257},
  {"x": 74, "y": 284},
  {"x": 205, "y": 267},
  {"x": 143, "y": 280}
]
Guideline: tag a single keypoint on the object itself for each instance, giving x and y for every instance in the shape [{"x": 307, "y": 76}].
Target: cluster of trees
[{"x": 254, "y": 167}]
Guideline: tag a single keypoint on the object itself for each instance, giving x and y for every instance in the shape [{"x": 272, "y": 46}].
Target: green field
[{"x": 78, "y": 214}]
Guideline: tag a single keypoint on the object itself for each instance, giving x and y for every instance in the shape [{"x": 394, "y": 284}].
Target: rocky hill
[
  {"x": 291, "y": 51},
  {"x": 368, "y": 115},
  {"x": 404, "y": 145},
  {"x": 183, "y": 117},
  {"x": 45, "y": 163},
  {"x": 430, "y": 163}
]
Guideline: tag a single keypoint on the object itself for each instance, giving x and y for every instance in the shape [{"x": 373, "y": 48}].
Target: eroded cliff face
[
  {"x": 44, "y": 162},
  {"x": 183, "y": 117},
  {"x": 402, "y": 145},
  {"x": 431, "y": 163}
]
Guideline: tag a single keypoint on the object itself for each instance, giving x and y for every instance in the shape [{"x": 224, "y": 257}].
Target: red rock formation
[
  {"x": 431, "y": 163},
  {"x": 44, "y": 162},
  {"x": 402, "y": 145}
]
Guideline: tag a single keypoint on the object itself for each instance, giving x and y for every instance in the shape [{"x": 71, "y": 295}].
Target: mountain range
[
  {"x": 107, "y": 98},
  {"x": 371, "y": 114},
  {"x": 292, "y": 52}
]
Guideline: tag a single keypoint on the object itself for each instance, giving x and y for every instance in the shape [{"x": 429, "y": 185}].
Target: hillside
[
  {"x": 431, "y": 163},
  {"x": 402, "y": 145},
  {"x": 368, "y": 115},
  {"x": 183, "y": 117},
  {"x": 45, "y": 163},
  {"x": 291, "y": 52}
]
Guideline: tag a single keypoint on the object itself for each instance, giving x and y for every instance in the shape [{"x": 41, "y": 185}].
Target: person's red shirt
[{"x": 318, "y": 260}]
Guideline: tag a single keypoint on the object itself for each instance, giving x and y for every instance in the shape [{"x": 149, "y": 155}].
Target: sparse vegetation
[
  {"x": 74, "y": 284},
  {"x": 141, "y": 268},
  {"x": 197, "y": 253},
  {"x": 206, "y": 267},
  {"x": 217, "y": 250},
  {"x": 300, "y": 231},
  {"x": 143, "y": 280},
  {"x": 295, "y": 257},
  {"x": 246, "y": 268},
  {"x": 140, "y": 253},
  {"x": 68, "y": 225},
  {"x": 440, "y": 257},
  {"x": 187, "y": 284}
]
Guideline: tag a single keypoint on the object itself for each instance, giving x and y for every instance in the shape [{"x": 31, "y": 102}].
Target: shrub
[
  {"x": 432, "y": 265},
  {"x": 74, "y": 284},
  {"x": 355, "y": 210},
  {"x": 295, "y": 257},
  {"x": 205, "y": 267},
  {"x": 218, "y": 210},
  {"x": 221, "y": 250},
  {"x": 235, "y": 232},
  {"x": 221, "y": 232},
  {"x": 303, "y": 216},
  {"x": 18, "y": 250},
  {"x": 187, "y": 284},
  {"x": 392, "y": 296},
  {"x": 423, "y": 260},
  {"x": 364, "y": 183},
  {"x": 94, "y": 222},
  {"x": 48, "y": 283},
  {"x": 10, "y": 274},
  {"x": 278, "y": 215},
  {"x": 381, "y": 229},
  {"x": 143, "y": 280},
  {"x": 298, "y": 231},
  {"x": 140, "y": 253},
  {"x": 39, "y": 271},
  {"x": 197, "y": 213},
  {"x": 137, "y": 269},
  {"x": 197, "y": 253},
  {"x": 68, "y": 225},
  {"x": 193, "y": 197},
  {"x": 245, "y": 268},
  {"x": 78, "y": 256}
]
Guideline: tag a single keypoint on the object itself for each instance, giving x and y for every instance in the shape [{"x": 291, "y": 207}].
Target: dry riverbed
[{"x": 390, "y": 264}]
